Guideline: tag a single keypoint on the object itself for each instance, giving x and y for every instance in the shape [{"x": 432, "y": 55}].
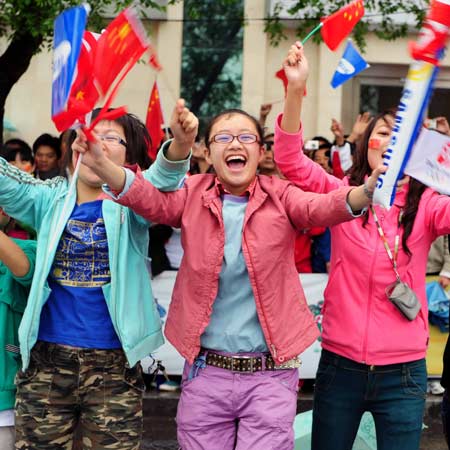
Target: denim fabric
[
  {"x": 446, "y": 417},
  {"x": 394, "y": 394}
]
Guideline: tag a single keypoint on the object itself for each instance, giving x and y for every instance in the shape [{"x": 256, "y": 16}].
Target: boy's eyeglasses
[
  {"x": 112, "y": 139},
  {"x": 227, "y": 138}
]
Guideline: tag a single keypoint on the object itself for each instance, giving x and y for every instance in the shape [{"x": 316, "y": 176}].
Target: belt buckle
[{"x": 240, "y": 370}]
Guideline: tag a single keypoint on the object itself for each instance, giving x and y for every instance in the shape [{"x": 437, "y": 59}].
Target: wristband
[{"x": 367, "y": 193}]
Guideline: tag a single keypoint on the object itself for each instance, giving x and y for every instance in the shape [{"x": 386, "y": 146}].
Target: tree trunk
[{"x": 13, "y": 64}]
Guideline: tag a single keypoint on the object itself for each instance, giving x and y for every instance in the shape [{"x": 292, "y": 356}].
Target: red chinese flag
[
  {"x": 339, "y": 25},
  {"x": 282, "y": 76},
  {"x": 154, "y": 122},
  {"x": 83, "y": 94},
  {"x": 118, "y": 48}
]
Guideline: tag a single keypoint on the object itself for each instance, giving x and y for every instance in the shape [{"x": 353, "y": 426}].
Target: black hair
[
  {"x": 49, "y": 141},
  {"x": 136, "y": 136},
  {"x": 14, "y": 146},
  {"x": 231, "y": 112},
  {"x": 361, "y": 168}
]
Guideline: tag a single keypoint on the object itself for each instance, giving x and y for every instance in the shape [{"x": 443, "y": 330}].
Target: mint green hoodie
[
  {"x": 128, "y": 296},
  {"x": 13, "y": 299}
]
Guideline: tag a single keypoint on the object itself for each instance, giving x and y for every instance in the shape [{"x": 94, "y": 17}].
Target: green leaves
[{"x": 385, "y": 17}]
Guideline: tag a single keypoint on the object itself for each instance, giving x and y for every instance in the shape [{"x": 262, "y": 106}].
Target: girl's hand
[
  {"x": 371, "y": 182},
  {"x": 184, "y": 125},
  {"x": 361, "y": 197},
  {"x": 92, "y": 151},
  {"x": 296, "y": 66}
]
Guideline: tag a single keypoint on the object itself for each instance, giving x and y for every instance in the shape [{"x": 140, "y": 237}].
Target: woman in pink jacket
[
  {"x": 373, "y": 356},
  {"x": 238, "y": 312}
]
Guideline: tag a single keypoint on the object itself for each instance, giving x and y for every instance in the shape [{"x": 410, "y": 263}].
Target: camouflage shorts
[{"x": 65, "y": 385}]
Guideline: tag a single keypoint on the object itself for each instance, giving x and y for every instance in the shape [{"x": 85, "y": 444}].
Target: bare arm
[
  {"x": 296, "y": 69},
  {"x": 13, "y": 256},
  {"x": 184, "y": 126}
]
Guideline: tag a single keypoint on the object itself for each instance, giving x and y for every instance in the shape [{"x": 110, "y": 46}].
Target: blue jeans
[
  {"x": 446, "y": 417},
  {"x": 394, "y": 394}
]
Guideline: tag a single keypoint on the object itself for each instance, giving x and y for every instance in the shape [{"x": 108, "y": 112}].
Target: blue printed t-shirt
[{"x": 76, "y": 312}]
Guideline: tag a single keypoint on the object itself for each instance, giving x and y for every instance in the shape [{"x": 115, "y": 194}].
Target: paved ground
[{"x": 160, "y": 428}]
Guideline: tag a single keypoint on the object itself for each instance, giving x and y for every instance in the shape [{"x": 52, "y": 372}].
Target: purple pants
[{"x": 224, "y": 410}]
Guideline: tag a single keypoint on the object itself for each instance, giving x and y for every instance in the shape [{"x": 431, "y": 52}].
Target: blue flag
[
  {"x": 68, "y": 35},
  {"x": 350, "y": 65}
]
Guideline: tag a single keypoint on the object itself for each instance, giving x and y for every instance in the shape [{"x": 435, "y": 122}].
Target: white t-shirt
[
  {"x": 345, "y": 155},
  {"x": 7, "y": 418}
]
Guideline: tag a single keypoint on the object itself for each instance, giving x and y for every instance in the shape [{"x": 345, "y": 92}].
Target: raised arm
[
  {"x": 14, "y": 258},
  {"x": 307, "y": 209},
  {"x": 288, "y": 143},
  {"x": 25, "y": 198},
  {"x": 184, "y": 126}
]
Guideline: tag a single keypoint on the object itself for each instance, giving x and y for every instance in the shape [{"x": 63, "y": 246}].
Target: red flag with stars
[
  {"x": 339, "y": 25},
  {"x": 83, "y": 94},
  {"x": 282, "y": 76},
  {"x": 118, "y": 49},
  {"x": 154, "y": 122}
]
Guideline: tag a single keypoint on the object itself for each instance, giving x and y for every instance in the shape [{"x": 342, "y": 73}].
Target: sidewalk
[{"x": 160, "y": 428}]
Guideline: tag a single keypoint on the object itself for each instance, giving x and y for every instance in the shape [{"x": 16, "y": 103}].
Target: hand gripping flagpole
[{"x": 427, "y": 52}]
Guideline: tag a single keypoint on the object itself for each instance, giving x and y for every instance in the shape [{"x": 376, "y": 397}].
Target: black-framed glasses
[
  {"x": 227, "y": 138},
  {"x": 112, "y": 139}
]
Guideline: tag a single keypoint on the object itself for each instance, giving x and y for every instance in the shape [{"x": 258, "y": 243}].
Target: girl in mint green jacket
[
  {"x": 90, "y": 316},
  {"x": 17, "y": 259}
]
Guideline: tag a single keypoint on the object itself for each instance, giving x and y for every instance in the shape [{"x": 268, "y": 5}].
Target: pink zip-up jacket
[
  {"x": 275, "y": 210},
  {"x": 359, "y": 322}
]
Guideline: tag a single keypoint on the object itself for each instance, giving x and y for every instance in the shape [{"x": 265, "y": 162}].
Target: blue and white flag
[
  {"x": 350, "y": 65},
  {"x": 68, "y": 34}
]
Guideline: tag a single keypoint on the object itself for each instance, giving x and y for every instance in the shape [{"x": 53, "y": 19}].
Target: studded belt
[{"x": 248, "y": 364}]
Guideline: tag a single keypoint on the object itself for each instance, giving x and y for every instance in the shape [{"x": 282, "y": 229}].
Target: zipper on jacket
[
  {"x": 274, "y": 350},
  {"x": 369, "y": 304},
  {"x": 120, "y": 215}
]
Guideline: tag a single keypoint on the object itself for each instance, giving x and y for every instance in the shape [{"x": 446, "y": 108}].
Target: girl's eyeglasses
[
  {"x": 227, "y": 138},
  {"x": 112, "y": 139}
]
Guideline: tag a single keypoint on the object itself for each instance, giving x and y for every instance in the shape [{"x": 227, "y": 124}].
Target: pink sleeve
[
  {"x": 309, "y": 209},
  {"x": 296, "y": 166},
  {"x": 437, "y": 212},
  {"x": 153, "y": 205}
]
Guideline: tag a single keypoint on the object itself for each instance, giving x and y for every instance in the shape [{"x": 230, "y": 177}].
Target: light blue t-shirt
[{"x": 234, "y": 325}]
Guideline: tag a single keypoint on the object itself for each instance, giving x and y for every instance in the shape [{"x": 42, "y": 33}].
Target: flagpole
[
  {"x": 166, "y": 126},
  {"x": 312, "y": 32}
]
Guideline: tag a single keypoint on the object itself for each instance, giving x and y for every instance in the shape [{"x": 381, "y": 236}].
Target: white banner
[
  {"x": 408, "y": 122},
  {"x": 313, "y": 285},
  {"x": 430, "y": 161}
]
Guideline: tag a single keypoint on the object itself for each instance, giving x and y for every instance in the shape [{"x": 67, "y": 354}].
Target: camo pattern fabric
[{"x": 64, "y": 385}]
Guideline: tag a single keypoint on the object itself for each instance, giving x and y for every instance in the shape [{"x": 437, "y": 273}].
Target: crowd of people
[{"x": 238, "y": 212}]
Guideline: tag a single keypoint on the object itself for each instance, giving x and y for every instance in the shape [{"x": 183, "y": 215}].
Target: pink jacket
[
  {"x": 276, "y": 209},
  {"x": 359, "y": 322}
]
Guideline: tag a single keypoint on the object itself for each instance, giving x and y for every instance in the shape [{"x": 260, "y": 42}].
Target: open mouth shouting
[{"x": 236, "y": 162}]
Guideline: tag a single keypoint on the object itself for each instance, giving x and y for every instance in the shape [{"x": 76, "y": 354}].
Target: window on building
[{"x": 380, "y": 88}]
